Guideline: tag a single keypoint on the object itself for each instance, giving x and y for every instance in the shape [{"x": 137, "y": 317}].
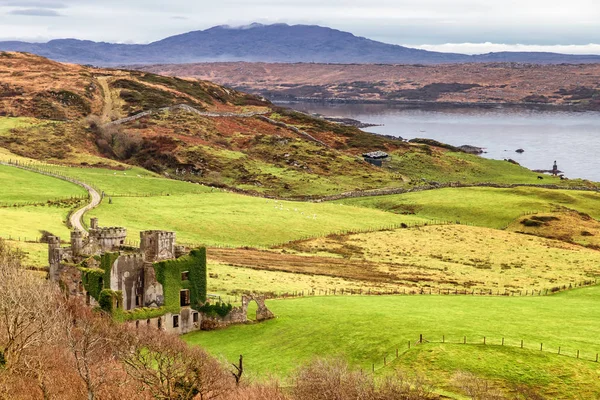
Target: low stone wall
[
  {"x": 239, "y": 315},
  {"x": 182, "y": 107}
]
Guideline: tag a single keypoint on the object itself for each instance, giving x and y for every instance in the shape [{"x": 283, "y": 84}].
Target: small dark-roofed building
[{"x": 376, "y": 157}]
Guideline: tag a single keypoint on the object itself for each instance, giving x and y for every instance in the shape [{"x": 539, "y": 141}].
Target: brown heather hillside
[
  {"x": 59, "y": 113},
  {"x": 202, "y": 132},
  {"x": 463, "y": 83}
]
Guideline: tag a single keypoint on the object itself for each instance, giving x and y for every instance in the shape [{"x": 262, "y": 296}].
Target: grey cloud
[
  {"x": 34, "y": 4},
  {"x": 36, "y": 12}
]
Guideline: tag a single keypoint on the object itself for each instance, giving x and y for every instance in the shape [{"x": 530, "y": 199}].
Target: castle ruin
[
  {"x": 99, "y": 264},
  {"x": 158, "y": 284}
]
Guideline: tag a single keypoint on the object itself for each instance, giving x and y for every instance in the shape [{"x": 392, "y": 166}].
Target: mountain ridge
[{"x": 268, "y": 43}]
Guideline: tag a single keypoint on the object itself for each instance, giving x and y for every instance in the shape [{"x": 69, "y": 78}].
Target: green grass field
[
  {"x": 229, "y": 219},
  {"x": 365, "y": 329},
  {"x": 20, "y": 186},
  {"x": 28, "y": 222},
  {"x": 503, "y": 368},
  {"x": 489, "y": 207}
]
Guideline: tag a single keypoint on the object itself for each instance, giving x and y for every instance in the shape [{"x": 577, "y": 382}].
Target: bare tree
[
  {"x": 90, "y": 339},
  {"x": 169, "y": 369},
  {"x": 28, "y": 309}
]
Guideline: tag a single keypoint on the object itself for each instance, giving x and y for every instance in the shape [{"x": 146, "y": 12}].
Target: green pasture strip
[
  {"x": 28, "y": 222},
  {"x": 489, "y": 207},
  {"x": 235, "y": 220},
  {"x": 503, "y": 367},
  {"x": 20, "y": 186},
  {"x": 364, "y": 329}
]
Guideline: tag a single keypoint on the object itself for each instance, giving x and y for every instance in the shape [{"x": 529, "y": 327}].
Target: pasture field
[
  {"x": 434, "y": 165},
  {"x": 36, "y": 254},
  {"x": 235, "y": 220},
  {"x": 570, "y": 226},
  {"x": 230, "y": 281},
  {"x": 430, "y": 258},
  {"x": 132, "y": 181},
  {"x": 504, "y": 368},
  {"x": 364, "y": 329},
  {"x": 28, "y": 222},
  {"x": 488, "y": 207},
  {"x": 20, "y": 186}
]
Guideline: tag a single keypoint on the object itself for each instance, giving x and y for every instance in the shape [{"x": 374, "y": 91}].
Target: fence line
[
  {"x": 400, "y": 350},
  {"x": 43, "y": 203},
  {"x": 312, "y": 292}
]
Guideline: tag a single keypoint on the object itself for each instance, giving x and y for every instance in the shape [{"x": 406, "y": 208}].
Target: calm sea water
[{"x": 572, "y": 139}]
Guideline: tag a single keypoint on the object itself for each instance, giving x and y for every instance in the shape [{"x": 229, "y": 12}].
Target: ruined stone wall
[
  {"x": 185, "y": 322},
  {"x": 108, "y": 239},
  {"x": 127, "y": 276},
  {"x": 239, "y": 315},
  {"x": 153, "y": 291}
]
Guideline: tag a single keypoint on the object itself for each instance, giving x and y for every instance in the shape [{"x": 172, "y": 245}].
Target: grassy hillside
[
  {"x": 21, "y": 186},
  {"x": 364, "y": 329},
  {"x": 489, "y": 207},
  {"x": 58, "y": 113},
  {"x": 228, "y": 219}
]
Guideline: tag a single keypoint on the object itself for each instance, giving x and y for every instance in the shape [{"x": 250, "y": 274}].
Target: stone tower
[
  {"x": 54, "y": 257},
  {"x": 157, "y": 245},
  {"x": 76, "y": 242}
]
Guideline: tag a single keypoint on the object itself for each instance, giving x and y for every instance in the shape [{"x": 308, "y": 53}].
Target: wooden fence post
[
  {"x": 484, "y": 340},
  {"x": 541, "y": 346},
  {"x": 521, "y": 343}
]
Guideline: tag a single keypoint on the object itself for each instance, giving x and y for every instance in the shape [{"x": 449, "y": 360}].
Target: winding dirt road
[{"x": 76, "y": 219}]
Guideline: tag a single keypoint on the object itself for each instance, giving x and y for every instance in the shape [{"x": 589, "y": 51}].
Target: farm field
[
  {"x": 235, "y": 220},
  {"x": 430, "y": 258},
  {"x": 507, "y": 369},
  {"x": 230, "y": 281},
  {"x": 28, "y": 222},
  {"x": 456, "y": 257},
  {"x": 364, "y": 329},
  {"x": 20, "y": 186},
  {"x": 489, "y": 207}
]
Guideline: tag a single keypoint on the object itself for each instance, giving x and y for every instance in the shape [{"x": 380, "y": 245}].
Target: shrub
[
  {"x": 107, "y": 299},
  {"x": 212, "y": 310}
]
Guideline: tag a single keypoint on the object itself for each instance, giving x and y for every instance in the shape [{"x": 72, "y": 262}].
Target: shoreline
[{"x": 437, "y": 105}]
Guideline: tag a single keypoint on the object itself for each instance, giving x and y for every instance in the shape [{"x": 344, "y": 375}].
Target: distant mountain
[{"x": 267, "y": 43}]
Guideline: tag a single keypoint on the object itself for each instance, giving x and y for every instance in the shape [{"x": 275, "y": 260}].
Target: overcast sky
[{"x": 470, "y": 26}]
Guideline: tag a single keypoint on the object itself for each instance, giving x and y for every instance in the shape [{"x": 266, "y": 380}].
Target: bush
[
  {"x": 333, "y": 379},
  {"x": 107, "y": 299},
  {"x": 212, "y": 310}
]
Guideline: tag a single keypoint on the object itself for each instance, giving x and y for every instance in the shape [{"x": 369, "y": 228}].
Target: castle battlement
[{"x": 111, "y": 232}]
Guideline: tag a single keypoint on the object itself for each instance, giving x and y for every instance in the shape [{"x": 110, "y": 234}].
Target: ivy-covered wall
[
  {"x": 97, "y": 279},
  {"x": 168, "y": 273}
]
